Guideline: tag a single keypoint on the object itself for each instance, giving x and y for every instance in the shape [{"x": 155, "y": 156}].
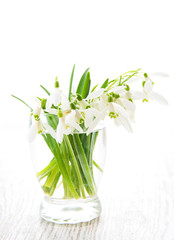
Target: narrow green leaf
[
  {"x": 45, "y": 89},
  {"x": 86, "y": 86},
  {"x": 94, "y": 88},
  {"x": 105, "y": 84},
  {"x": 81, "y": 82},
  {"x": 22, "y": 102},
  {"x": 71, "y": 81},
  {"x": 97, "y": 166}
]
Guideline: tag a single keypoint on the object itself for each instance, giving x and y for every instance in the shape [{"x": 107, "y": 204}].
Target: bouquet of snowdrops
[{"x": 72, "y": 124}]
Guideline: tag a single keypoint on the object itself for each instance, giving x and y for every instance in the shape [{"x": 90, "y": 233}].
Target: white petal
[
  {"x": 93, "y": 124},
  {"x": 83, "y": 103},
  {"x": 117, "y": 121},
  {"x": 159, "y": 98},
  {"x": 50, "y": 130},
  {"x": 60, "y": 131},
  {"x": 37, "y": 111},
  {"x": 125, "y": 122},
  {"x": 139, "y": 95},
  {"x": 32, "y": 132},
  {"x": 71, "y": 120},
  {"x": 95, "y": 94},
  {"x": 56, "y": 97},
  {"x": 120, "y": 110},
  {"x": 148, "y": 86},
  {"x": 65, "y": 103},
  {"x": 127, "y": 104},
  {"x": 90, "y": 114}
]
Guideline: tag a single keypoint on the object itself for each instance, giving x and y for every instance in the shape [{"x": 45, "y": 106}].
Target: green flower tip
[
  {"x": 56, "y": 84},
  {"x": 88, "y": 106},
  {"x": 115, "y": 95},
  {"x": 145, "y": 100},
  {"x": 60, "y": 114},
  {"x": 43, "y": 103},
  {"x": 113, "y": 115},
  {"x": 145, "y": 75},
  {"x": 81, "y": 121},
  {"x": 143, "y": 83},
  {"x": 36, "y": 117},
  {"x": 79, "y": 97},
  {"x": 110, "y": 99},
  {"x": 127, "y": 88},
  {"x": 73, "y": 106}
]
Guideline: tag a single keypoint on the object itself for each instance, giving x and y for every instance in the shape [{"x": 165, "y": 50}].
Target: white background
[{"x": 43, "y": 39}]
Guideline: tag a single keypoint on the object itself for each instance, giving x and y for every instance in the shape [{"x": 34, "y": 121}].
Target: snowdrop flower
[
  {"x": 120, "y": 115},
  {"x": 148, "y": 92},
  {"x": 127, "y": 103},
  {"x": 54, "y": 99},
  {"x": 36, "y": 126},
  {"x": 68, "y": 124},
  {"x": 91, "y": 118}
]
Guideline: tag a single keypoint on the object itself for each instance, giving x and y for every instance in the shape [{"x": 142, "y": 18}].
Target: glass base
[{"x": 70, "y": 211}]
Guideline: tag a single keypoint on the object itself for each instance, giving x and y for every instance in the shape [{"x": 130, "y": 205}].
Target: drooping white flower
[
  {"x": 68, "y": 124},
  {"x": 148, "y": 93},
  {"x": 36, "y": 126},
  {"x": 120, "y": 115},
  {"x": 54, "y": 99},
  {"x": 92, "y": 117},
  {"x": 128, "y": 105}
]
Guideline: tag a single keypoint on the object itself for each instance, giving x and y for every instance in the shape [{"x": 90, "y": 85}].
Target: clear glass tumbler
[{"x": 69, "y": 173}]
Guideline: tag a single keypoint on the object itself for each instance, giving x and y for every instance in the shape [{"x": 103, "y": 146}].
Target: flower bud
[
  {"x": 88, "y": 106},
  {"x": 79, "y": 97},
  {"x": 73, "y": 106},
  {"x": 127, "y": 88},
  {"x": 60, "y": 114},
  {"x": 110, "y": 99},
  {"x": 56, "y": 84},
  {"x": 112, "y": 115},
  {"x": 43, "y": 103},
  {"x": 36, "y": 117},
  {"x": 115, "y": 95},
  {"x": 143, "y": 83},
  {"x": 145, "y": 75}
]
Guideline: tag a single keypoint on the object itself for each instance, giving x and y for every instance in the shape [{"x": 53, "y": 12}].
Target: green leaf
[
  {"x": 71, "y": 81},
  {"x": 94, "y": 88},
  {"x": 105, "y": 84},
  {"x": 86, "y": 86},
  {"x": 45, "y": 89},
  {"x": 22, "y": 102},
  {"x": 82, "y": 82}
]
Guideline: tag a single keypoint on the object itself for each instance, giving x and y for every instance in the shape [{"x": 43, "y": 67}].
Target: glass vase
[{"x": 69, "y": 173}]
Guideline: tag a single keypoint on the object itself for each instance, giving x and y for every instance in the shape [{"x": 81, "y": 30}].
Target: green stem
[
  {"x": 97, "y": 166},
  {"x": 52, "y": 144},
  {"x": 44, "y": 172},
  {"x": 83, "y": 162},
  {"x": 75, "y": 165}
]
